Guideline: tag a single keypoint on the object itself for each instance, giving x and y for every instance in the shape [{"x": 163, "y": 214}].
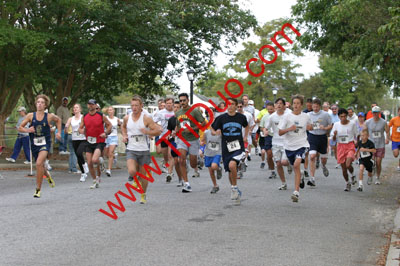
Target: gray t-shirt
[
  {"x": 321, "y": 118},
  {"x": 213, "y": 144},
  {"x": 20, "y": 119},
  {"x": 376, "y": 132},
  {"x": 250, "y": 109}
]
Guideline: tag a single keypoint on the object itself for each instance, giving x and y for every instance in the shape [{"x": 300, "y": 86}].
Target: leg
[
  {"x": 344, "y": 172},
  {"x": 233, "y": 172},
  {"x": 27, "y": 148},
  {"x": 182, "y": 164},
  {"x": 89, "y": 156},
  {"x": 281, "y": 173},
  {"x": 17, "y": 147},
  {"x": 378, "y": 166},
  {"x": 211, "y": 170},
  {"x": 40, "y": 171},
  {"x": 297, "y": 174},
  {"x": 78, "y": 148},
  {"x": 111, "y": 150},
  {"x": 313, "y": 158},
  {"x": 96, "y": 160},
  {"x": 361, "y": 174},
  {"x": 270, "y": 160}
]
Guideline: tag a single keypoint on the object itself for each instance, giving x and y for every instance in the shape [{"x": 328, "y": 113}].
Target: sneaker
[
  {"x": 262, "y": 165},
  {"x": 369, "y": 181},
  {"x": 27, "y": 162},
  {"x": 11, "y": 160},
  {"x": 130, "y": 178},
  {"x": 235, "y": 194},
  {"x": 48, "y": 166},
  {"x": 337, "y": 166},
  {"x": 283, "y": 187},
  {"x": 249, "y": 158},
  {"x": 135, "y": 185},
  {"x": 214, "y": 190},
  {"x": 398, "y": 168},
  {"x": 168, "y": 178},
  {"x": 102, "y": 166},
  {"x": 96, "y": 183},
  {"x": 196, "y": 174},
  {"x": 306, "y": 174},
  {"x": 239, "y": 175},
  {"x": 86, "y": 168},
  {"x": 353, "y": 180},
  {"x": 83, "y": 178},
  {"x": 325, "y": 171},
  {"x": 317, "y": 164},
  {"x": 37, "y": 193},
  {"x": 51, "y": 181},
  {"x": 143, "y": 198},
  {"x": 201, "y": 162},
  {"x": 360, "y": 188},
  {"x": 289, "y": 169},
  {"x": 219, "y": 173},
  {"x": 108, "y": 172},
  {"x": 377, "y": 182},
  {"x": 348, "y": 187},
  {"x": 295, "y": 197},
  {"x": 256, "y": 151},
  {"x": 186, "y": 188},
  {"x": 311, "y": 183},
  {"x": 302, "y": 182},
  {"x": 180, "y": 183},
  {"x": 164, "y": 169},
  {"x": 272, "y": 176}
]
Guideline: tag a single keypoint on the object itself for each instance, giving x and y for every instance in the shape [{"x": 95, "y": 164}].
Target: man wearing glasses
[{"x": 186, "y": 141}]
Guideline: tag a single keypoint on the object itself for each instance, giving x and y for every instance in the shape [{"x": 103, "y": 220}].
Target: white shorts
[{"x": 279, "y": 154}]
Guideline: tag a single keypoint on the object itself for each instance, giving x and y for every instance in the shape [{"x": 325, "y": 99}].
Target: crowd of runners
[{"x": 293, "y": 136}]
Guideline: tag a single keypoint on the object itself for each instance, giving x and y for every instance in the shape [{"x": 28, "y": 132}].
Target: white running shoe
[
  {"x": 83, "y": 178},
  {"x": 27, "y": 162},
  {"x": 377, "y": 182},
  {"x": 398, "y": 168},
  {"x": 196, "y": 174},
  {"x": 11, "y": 160},
  {"x": 108, "y": 172},
  {"x": 283, "y": 187},
  {"x": 96, "y": 183}
]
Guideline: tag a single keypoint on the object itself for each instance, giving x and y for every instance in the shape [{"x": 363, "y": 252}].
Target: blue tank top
[{"x": 42, "y": 129}]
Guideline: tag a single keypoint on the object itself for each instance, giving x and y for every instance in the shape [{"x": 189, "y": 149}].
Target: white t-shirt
[
  {"x": 162, "y": 117},
  {"x": 250, "y": 122},
  {"x": 256, "y": 112},
  {"x": 114, "y": 123},
  {"x": 264, "y": 123},
  {"x": 272, "y": 124},
  {"x": 294, "y": 140},
  {"x": 345, "y": 133}
]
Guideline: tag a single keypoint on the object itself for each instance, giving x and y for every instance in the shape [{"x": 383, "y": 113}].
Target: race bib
[
  {"x": 137, "y": 138},
  {"x": 92, "y": 140},
  {"x": 262, "y": 133},
  {"x": 214, "y": 146},
  {"x": 398, "y": 129},
  {"x": 343, "y": 139},
  {"x": 76, "y": 133},
  {"x": 364, "y": 154},
  {"x": 39, "y": 141},
  {"x": 183, "y": 124},
  {"x": 376, "y": 134},
  {"x": 316, "y": 125},
  {"x": 233, "y": 146}
]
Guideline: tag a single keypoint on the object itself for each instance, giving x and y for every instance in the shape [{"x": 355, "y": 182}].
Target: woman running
[{"x": 112, "y": 139}]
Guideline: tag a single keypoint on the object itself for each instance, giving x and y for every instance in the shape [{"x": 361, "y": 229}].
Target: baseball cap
[
  {"x": 21, "y": 109},
  {"x": 361, "y": 114},
  {"x": 376, "y": 109},
  {"x": 251, "y": 102},
  {"x": 92, "y": 101},
  {"x": 65, "y": 98}
]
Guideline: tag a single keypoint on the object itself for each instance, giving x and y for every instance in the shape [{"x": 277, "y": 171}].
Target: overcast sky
[{"x": 264, "y": 11}]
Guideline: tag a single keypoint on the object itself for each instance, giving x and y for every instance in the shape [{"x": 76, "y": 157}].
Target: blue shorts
[
  {"x": 37, "y": 149},
  {"x": 318, "y": 143},
  {"x": 332, "y": 142},
  {"x": 111, "y": 140},
  {"x": 395, "y": 145},
  {"x": 293, "y": 155},
  {"x": 210, "y": 160},
  {"x": 202, "y": 148},
  {"x": 265, "y": 143},
  {"x": 157, "y": 138},
  {"x": 234, "y": 156}
]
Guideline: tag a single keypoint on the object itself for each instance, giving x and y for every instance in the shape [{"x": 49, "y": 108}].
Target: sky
[{"x": 264, "y": 11}]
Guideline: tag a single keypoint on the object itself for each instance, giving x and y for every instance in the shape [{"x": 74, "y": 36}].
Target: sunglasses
[
  {"x": 181, "y": 101},
  {"x": 240, "y": 106}
]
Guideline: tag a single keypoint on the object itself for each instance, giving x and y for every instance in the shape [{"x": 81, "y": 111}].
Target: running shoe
[
  {"x": 262, "y": 165},
  {"x": 164, "y": 169},
  {"x": 235, "y": 194},
  {"x": 196, "y": 174},
  {"x": 27, "y": 162},
  {"x": 295, "y": 197},
  {"x": 143, "y": 198},
  {"x": 273, "y": 175},
  {"x": 306, "y": 174},
  {"x": 289, "y": 169},
  {"x": 201, "y": 162},
  {"x": 11, "y": 160},
  {"x": 130, "y": 178},
  {"x": 360, "y": 188},
  {"x": 96, "y": 183},
  {"x": 353, "y": 180},
  {"x": 249, "y": 158},
  {"x": 180, "y": 183},
  {"x": 51, "y": 181},
  {"x": 186, "y": 188},
  {"x": 135, "y": 185},
  {"x": 108, "y": 172},
  {"x": 83, "y": 178},
  {"x": 302, "y": 182},
  {"x": 48, "y": 166},
  {"x": 369, "y": 182},
  {"x": 283, "y": 187},
  {"x": 102, "y": 166},
  {"x": 348, "y": 187},
  {"x": 325, "y": 171},
  {"x": 168, "y": 178},
  {"x": 317, "y": 164},
  {"x": 214, "y": 190},
  {"x": 377, "y": 182},
  {"x": 243, "y": 166},
  {"x": 219, "y": 173},
  {"x": 37, "y": 193},
  {"x": 337, "y": 166},
  {"x": 398, "y": 168},
  {"x": 256, "y": 151},
  {"x": 311, "y": 183}
]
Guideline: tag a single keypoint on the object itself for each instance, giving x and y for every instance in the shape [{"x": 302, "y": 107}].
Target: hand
[
  {"x": 321, "y": 127},
  {"x": 386, "y": 141},
  {"x": 31, "y": 130},
  {"x": 58, "y": 135},
  {"x": 144, "y": 131},
  {"x": 362, "y": 149},
  {"x": 335, "y": 132},
  {"x": 81, "y": 131},
  {"x": 245, "y": 140},
  {"x": 103, "y": 135},
  {"x": 125, "y": 139},
  {"x": 173, "y": 134},
  {"x": 292, "y": 128}
]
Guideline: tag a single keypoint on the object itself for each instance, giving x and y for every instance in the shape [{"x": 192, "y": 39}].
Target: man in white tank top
[{"x": 136, "y": 129}]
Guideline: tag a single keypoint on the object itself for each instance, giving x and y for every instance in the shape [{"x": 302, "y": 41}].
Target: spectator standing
[
  {"x": 64, "y": 114},
  {"x": 22, "y": 140}
]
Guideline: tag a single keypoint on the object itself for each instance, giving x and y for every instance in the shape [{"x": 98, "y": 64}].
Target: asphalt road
[{"x": 326, "y": 227}]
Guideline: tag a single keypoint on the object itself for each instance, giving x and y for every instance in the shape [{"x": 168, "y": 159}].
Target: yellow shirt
[{"x": 261, "y": 114}]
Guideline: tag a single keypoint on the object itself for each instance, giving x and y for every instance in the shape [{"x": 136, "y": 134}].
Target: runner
[
  {"x": 369, "y": 114},
  {"x": 345, "y": 133},
  {"x": 395, "y": 125},
  {"x": 278, "y": 150},
  {"x": 332, "y": 143},
  {"x": 230, "y": 126},
  {"x": 293, "y": 127},
  {"x": 194, "y": 145},
  {"x": 39, "y": 134},
  {"x": 256, "y": 130},
  {"x": 309, "y": 106},
  {"x": 365, "y": 149},
  {"x": 212, "y": 154},
  {"x": 171, "y": 127},
  {"x": 250, "y": 122},
  {"x": 352, "y": 115},
  {"x": 266, "y": 139},
  {"x": 360, "y": 123},
  {"x": 376, "y": 128},
  {"x": 326, "y": 108},
  {"x": 136, "y": 129},
  {"x": 112, "y": 139},
  {"x": 318, "y": 139},
  {"x": 161, "y": 106},
  {"x": 78, "y": 140},
  {"x": 93, "y": 123}
]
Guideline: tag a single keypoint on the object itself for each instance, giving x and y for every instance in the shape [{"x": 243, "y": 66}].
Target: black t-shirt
[
  {"x": 368, "y": 145},
  {"x": 171, "y": 125},
  {"x": 231, "y": 129}
]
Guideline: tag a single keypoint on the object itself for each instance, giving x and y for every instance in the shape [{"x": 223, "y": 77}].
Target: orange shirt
[{"x": 395, "y": 123}]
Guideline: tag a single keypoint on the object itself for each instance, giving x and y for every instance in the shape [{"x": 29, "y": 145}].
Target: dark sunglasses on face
[{"x": 181, "y": 101}]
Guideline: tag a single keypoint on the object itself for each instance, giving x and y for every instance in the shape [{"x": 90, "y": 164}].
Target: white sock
[
  {"x": 312, "y": 178},
  {"x": 360, "y": 182}
]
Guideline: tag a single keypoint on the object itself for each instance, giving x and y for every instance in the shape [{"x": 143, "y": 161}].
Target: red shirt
[{"x": 94, "y": 126}]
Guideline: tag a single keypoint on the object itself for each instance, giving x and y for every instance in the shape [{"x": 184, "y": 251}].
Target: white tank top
[
  {"x": 75, "y": 128},
  {"x": 114, "y": 123},
  {"x": 136, "y": 140}
]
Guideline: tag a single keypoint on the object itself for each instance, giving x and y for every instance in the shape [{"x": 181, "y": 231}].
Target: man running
[
  {"x": 193, "y": 148},
  {"x": 230, "y": 126},
  {"x": 266, "y": 139},
  {"x": 136, "y": 129},
  {"x": 376, "y": 128},
  {"x": 332, "y": 143},
  {"x": 293, "y": 126},
  {"x": 318, "y": 139},
  {"x": 39, "y": 134},
  {"x": 171, "y": 127},
  {"x": 94, "y": 123},
  {"x": 250, "y": 122},
  {"x": 395, "y": 125}
]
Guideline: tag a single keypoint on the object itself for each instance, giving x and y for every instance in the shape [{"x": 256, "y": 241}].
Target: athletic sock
[{"x": 360, "y": 182}]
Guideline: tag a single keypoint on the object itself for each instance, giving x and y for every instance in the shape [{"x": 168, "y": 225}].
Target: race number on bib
[
  {"x": 183, "y": 124},
  {"x": 315, "y": 125},
  {"x": 76, "y": 133},
  {"x": 398, "y": 129},
  {"x": 214, "y": 146},
  {"x": 262, "y": 133},
  {"x": 137, "y": 138},
  {"x": 376, "y": 134},
  {"x": 364, "y": 154},
  {"x": 92, "y": 140},
  {"x": 343, "y": 139},
  {"x": 233, "y": 146},
  {"x": 39, "y": 141}
]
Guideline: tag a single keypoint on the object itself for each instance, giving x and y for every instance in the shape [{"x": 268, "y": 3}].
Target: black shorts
[
  {"x": 174, "y": 155},
  {"x": 265, "y": 143},
  {"x": 90, "y": 148},
  {"x": 367, "y": 162},
  {"x": 318, "y": 143},
  {"x": 164, "y": 145}
]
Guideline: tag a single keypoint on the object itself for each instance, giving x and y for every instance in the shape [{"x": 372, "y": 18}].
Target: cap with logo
[
  {"x": 376, "y": 109},
  {"x": 361, "y": 114},
  {"x": 92, "y": 101},
  {"x": 21, "y": 109}
]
